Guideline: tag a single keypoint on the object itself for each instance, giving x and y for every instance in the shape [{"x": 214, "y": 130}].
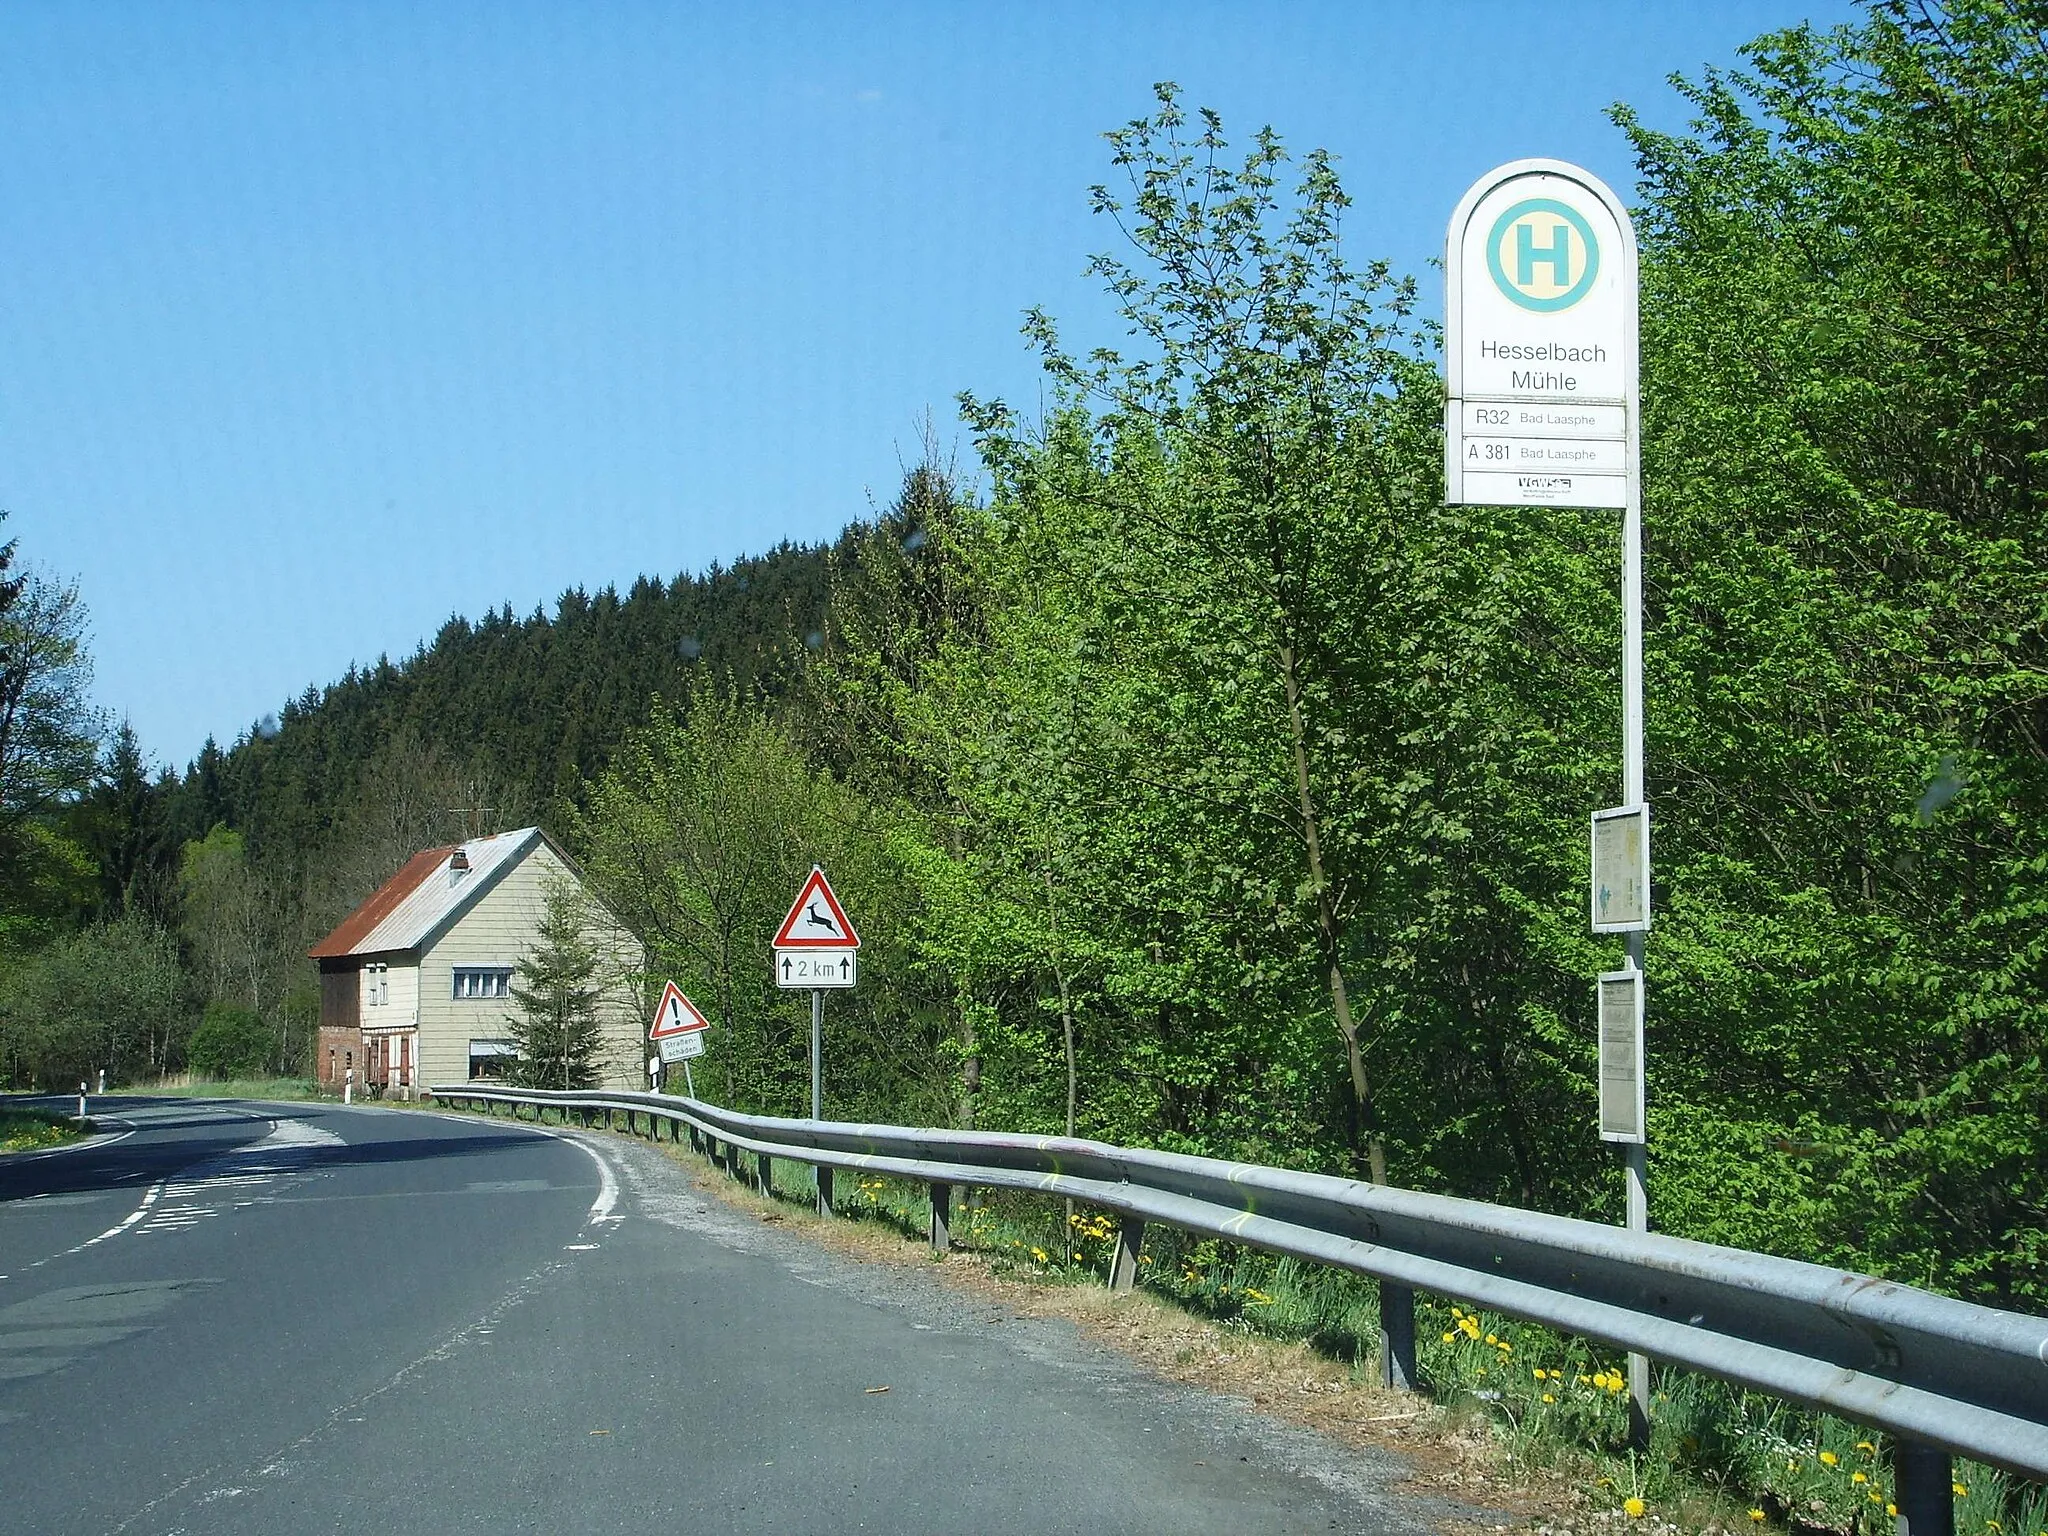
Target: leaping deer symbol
[{"x": 813, "y": 918}]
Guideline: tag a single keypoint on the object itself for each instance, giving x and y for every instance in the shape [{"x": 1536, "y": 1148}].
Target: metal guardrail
[{"x": 1945, "y": 1376}]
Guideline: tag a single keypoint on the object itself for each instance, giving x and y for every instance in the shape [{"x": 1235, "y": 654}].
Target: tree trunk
[
  {"x": 1506, "y": 1105},
  {"x": 1329, "y": 931}
]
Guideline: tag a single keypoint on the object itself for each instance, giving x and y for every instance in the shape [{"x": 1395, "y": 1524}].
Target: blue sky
[{"x": 319, "y": 323}]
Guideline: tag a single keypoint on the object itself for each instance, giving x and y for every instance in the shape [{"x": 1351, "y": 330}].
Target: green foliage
[
  {"x": 110, "y": 996},
  {"x": 49, "y": 743},
  {"x": 1844, "y": 452},
  {"x": 31, "y": 1130},
  {"x": 49, "y": 731},
  {"x": 698, "y": 836},
  {"x": 230, "y": 1042}
]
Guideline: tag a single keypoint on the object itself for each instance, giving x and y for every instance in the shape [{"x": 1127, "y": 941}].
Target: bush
[{"x": 229, "y": 1042}]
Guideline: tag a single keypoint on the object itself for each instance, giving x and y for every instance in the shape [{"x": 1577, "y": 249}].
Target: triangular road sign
[
  {"x": 676, "y": 1015},
  {"x": 816, "y": 921}
]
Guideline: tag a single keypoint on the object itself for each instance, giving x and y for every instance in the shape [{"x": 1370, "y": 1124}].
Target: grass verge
[
  {"x": 32, "y": 1130},
  {"x": 237, "y": 1088}
]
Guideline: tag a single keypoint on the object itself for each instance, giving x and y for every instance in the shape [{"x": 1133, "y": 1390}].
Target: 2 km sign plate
[
  {"x": 816, "y": 968},
  {"x": 1540, "y": 321},
  {"x": 816, "y": 946}
]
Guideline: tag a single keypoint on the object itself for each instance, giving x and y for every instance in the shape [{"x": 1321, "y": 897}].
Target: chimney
[{"x": 458, "y": 865}]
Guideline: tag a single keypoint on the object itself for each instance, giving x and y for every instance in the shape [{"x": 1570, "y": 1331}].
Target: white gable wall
[
  {"x": 499, "y": 930},
  {"x": 401, "y": 990}
]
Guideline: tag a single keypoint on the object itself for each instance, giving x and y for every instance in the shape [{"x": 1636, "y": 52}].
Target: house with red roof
[{"x": 415, "y": 984}]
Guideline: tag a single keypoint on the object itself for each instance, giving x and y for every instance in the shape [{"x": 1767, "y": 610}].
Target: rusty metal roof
[{"x": 411, "y": 908}]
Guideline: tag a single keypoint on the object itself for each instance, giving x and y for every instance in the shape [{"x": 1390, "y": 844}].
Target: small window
[
  {"x": 376, "y": 983},
  {"x": 491, "y": 1058},
  {"x": 482, "y": 981}
]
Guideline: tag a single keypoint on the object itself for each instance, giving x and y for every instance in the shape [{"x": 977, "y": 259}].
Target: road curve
[{"x": 236, "y": 1317}]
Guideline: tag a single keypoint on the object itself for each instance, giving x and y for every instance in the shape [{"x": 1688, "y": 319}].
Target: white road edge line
[{"x": 607, "y": 1181}]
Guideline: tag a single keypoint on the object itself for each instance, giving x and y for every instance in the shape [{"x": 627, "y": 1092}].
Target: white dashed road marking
[{"x": 169, "y": 1205}]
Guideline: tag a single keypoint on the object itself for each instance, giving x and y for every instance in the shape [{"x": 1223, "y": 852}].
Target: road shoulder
[{"x": 1413, "y": 1466}]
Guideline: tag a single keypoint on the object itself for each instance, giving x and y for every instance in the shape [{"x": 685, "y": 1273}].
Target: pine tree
[{"x": 556, "y": 1027}]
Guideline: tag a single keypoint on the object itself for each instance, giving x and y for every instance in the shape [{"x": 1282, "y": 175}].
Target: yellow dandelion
[
  {"x": 1892, "y": 1510},
  {"x": 1959, "y": 1490},
  {"x": 1757, "y": 1515},
  {"x": 1550, "y": 1397},
  {"x": 1829, "y": 1458},
  {"x": 1449, "y": 1336},
  {"x": 1859, "y": 1477},
  {"x": 1865, "y": 1445},
  {"x": 1633, "y": 1507},
  {"x": 1493, "y": 1338}
]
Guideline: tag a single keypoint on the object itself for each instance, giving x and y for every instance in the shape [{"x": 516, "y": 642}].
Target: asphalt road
[{"x": 232, "y": 1317}]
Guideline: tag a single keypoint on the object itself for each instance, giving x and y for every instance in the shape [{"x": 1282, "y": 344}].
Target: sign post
[
  {"x": 1544, "y": 409},
  {"x": 816, "y": 947}
]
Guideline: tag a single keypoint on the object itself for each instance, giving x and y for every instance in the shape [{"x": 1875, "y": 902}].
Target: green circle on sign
[{"x": 1555, "y": 258}]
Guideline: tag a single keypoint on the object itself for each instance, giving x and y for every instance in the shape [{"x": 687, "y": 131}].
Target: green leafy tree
[
  {"x": 1236, "y": 503},
  {"x": 1844, "y": 454},
  {"x": 230, "y": 1042},
  {"x": 237, "y": 918},
  {"x": 110, "y": 996},
  {"x": 49, "y": 748}
]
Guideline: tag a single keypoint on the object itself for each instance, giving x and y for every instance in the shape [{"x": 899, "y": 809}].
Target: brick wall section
[{"x": 334, "y": 1051}]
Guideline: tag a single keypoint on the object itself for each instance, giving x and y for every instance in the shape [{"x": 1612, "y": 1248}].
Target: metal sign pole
[
  {"x": 689, "y": 1080},
  {"x": 1635, "y": 1154},
  {"x": 818, "y": 1090},
  {"x": 817, "y": 1053}
]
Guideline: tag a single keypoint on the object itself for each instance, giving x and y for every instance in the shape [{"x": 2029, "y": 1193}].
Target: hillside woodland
[{"x": 1197, "y": 778}]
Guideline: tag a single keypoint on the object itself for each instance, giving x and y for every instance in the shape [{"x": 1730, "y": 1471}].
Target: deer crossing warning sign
[{"x": 816, "y": 946}]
